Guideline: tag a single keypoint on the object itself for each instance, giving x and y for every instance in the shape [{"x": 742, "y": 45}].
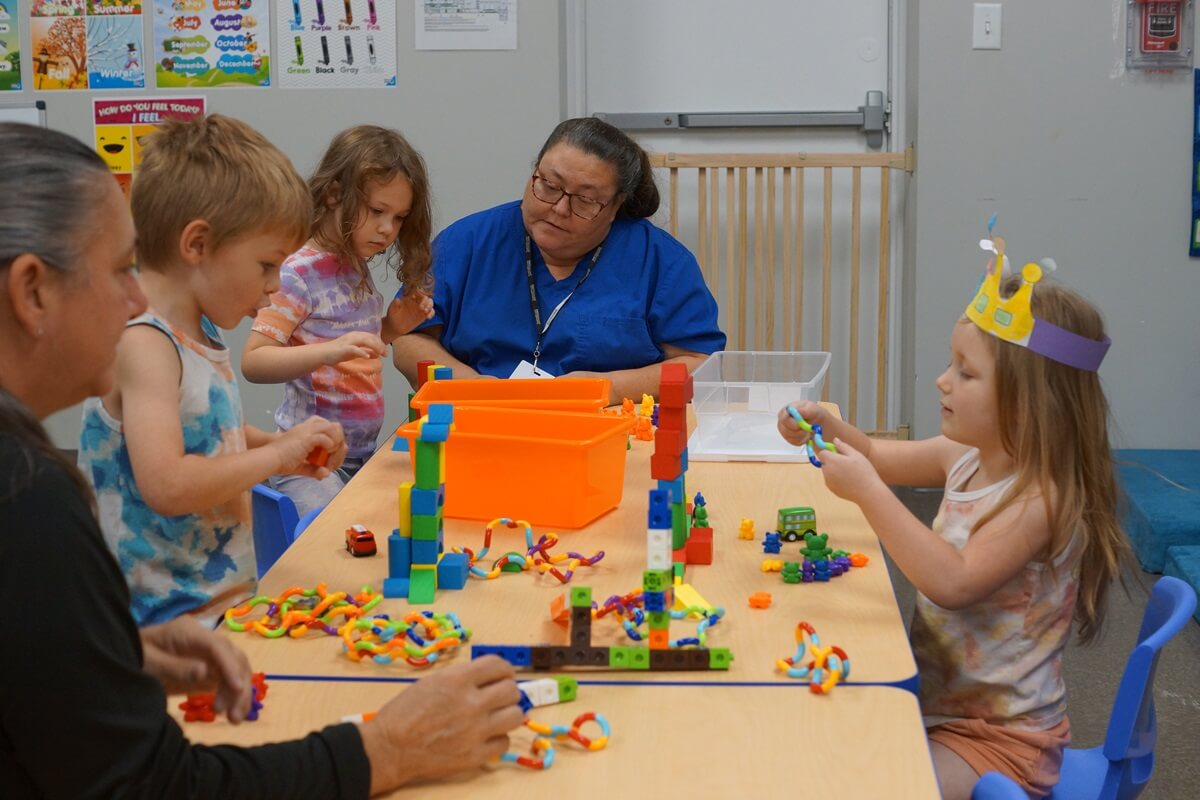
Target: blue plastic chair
[
  {"x": 996, "y": 786},
  {"x": 305, "y": 521},
  {"x": 1121, "y": 767},
  {"x": 275, "y": 519}
]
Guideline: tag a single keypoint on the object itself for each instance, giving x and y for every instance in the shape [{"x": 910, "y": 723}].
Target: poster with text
[
  {"x": 466, "y": 24},
  {"x": 121, "y": 123},
  {"x": 10, "y": 47},
  {"x": 86, "y": 44},
  {"x": 212, "y": 43},
  {"x": 336, "y": 43}
]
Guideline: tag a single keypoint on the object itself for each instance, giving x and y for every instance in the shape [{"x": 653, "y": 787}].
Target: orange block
[
  {"x": 660, "y": 639},
  {"x": 559, "y": 610}
]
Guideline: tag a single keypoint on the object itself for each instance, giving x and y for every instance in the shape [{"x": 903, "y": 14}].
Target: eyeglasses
[{"x": 550, "y": 193}]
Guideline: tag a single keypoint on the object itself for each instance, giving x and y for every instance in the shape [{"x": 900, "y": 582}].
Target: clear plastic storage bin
[{"x": 738, "y": 394}]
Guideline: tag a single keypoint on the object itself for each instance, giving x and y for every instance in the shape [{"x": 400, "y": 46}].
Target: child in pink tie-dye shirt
[
  {"x": 1027, "y": 537},
  {"x": 326, "y": 329}
]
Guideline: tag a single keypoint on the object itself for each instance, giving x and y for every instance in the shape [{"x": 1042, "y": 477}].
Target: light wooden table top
[
  {"x": 762, "y": 742},
  {"x": 856, "y": 611}
]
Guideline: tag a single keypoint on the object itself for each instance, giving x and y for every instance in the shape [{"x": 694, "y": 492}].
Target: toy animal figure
[
  {"x": 815, "y": 547},
  {"x": 746, "y": 529},
  {"x": 771, "y": 542}
]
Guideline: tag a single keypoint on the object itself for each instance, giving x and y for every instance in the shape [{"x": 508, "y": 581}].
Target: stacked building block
[
  {"x": 416, "y": 565},
  {"x": 668, "y": 465}
]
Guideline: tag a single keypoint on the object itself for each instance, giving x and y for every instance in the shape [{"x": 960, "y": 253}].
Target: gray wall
[
  {"x": 1084, "y": 163},
  {"x": 477, "y": 117}
]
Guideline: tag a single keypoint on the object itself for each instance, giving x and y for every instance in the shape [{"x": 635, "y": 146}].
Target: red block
[
  {"x": 670, "y": 442},
  {"x": 675, "y": 395},
  {"x": 423, "y": 372},
  {"x": 700, "y": 546},
  {"x": 665, "y": 467},
  {"x": 672, "y": 417},
  {"x": 673, "y": 372}
]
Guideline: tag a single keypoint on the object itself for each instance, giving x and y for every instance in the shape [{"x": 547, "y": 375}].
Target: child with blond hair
[
  {"x": 1027, "y": 538},
  {"x": 217, "y": 209}
]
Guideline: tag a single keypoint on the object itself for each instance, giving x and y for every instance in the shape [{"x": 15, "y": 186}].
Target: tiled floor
[{"x": 1092, "y": 674}]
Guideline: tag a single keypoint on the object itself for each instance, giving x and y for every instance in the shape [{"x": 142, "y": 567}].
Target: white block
[{"x": 541, "y": 692}]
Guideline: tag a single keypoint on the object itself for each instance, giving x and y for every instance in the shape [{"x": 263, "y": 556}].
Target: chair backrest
[
  {"x": 305, "y": 521},
  {"x": 995, "y": 786},
  {"x": 1132, "y": 727},
  {"x": 275, "y": 519}
]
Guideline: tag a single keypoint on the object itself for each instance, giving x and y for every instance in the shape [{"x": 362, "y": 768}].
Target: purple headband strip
[{"x": 1059, "y": 344}]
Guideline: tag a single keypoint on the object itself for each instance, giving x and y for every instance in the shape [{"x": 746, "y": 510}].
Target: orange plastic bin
[
  {"x": 554, "y": 469},
  {"x": 560, "y": 394}
]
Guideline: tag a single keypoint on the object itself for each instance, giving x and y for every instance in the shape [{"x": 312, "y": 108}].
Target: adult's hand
[
  {"x": 454, "y": 720},
  {"x": 187, "y": 657}
]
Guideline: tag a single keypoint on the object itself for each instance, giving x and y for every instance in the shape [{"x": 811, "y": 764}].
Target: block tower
[
  {"x": 417, "y": 565},
  {"x": 672, "y": 542}
]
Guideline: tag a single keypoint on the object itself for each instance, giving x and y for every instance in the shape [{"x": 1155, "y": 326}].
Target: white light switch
[{"x": 985, "y": 29}]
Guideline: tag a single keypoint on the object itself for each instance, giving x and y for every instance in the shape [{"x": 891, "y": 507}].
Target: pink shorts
[{"x": 1031, "y": 758}]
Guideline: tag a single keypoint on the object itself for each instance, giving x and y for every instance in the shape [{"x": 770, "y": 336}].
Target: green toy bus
[{"x": 792, "y": 523}]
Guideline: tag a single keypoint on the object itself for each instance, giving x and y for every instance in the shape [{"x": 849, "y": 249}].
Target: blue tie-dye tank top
[{"x": 197, "y": 563}]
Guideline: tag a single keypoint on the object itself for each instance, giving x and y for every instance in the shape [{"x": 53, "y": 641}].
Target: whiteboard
[
  {"x": 713, "y": 55},
  {"x": 30, "y": 113}
]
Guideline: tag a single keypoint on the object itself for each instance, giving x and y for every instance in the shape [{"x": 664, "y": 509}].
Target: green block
[
  {"x": 677, "y": 570},
  {"x": 422, "y": 586},
  {"x": 581, "y": 597},
  {"x": 413, "y": 414},
  {"x": 627, "y": 658},
  {"x": 568, "y": 688},
  {"x": 428, "y": 458},
  {"x": 659, "y": 620},
  {"x": 679, "y": 526},
  {"x": 656, "y": 580},
  {"x": 426, "y": 526},
  {"x": 719, "y": 658}
]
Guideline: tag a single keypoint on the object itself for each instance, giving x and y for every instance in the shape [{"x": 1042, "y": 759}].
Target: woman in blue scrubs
[{"x": 573, "y": 279}]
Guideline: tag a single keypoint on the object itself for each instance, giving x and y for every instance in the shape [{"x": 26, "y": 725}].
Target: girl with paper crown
[{"x": 1026, "y": 540}]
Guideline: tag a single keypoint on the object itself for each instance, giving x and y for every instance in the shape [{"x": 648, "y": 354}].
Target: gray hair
[
  {"x": 635, "y": 179},
  {"x": 49, "y": 191}
]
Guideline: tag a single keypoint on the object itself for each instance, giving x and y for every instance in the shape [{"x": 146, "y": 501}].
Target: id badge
[{"x": 528, "y": 370}]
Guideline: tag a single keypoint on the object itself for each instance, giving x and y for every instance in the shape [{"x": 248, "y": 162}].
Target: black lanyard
[{"x": 539, "y": 328}]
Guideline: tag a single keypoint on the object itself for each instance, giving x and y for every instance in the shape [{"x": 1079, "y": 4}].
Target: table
[
  {"x": 751, "y": 741},
  {"x": 856, "y": 611}
]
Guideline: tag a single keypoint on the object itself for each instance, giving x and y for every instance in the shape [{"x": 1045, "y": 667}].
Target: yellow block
[
  {"x": 405, "y": 523},
  {"x": 686, "y": 596}
]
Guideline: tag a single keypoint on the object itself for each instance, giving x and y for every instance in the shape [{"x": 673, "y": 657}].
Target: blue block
[
  {"x": 1183, "y": 562},
  {"x": 441, "y": 413},
  {"x": 1160, "y": 515},
  {"x": 452, "y": 570},
  {"x": 515, "y": 655},
  {"x": 435, "y": 432},
  {"x": 443, "y": 374},
  {"x": 683, "y": 461},
  {"x": 399, "y": 556},
  {"x": 424, "y": 551},
  {"x": 659, "y": 515},
  {"x": 427, "y": 501},
  {"x": 395, "y": 587},
  {"x": 525, "y": 703},
  {"x": 673, "y": 488},
  {"x": 400, "y": 444},
  {"x": 655, "y": 601}
]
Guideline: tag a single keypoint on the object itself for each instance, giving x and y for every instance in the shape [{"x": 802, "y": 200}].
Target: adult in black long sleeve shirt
[
  {"x": 82, "y": 705},
  {"x": 80, "y": 717}
]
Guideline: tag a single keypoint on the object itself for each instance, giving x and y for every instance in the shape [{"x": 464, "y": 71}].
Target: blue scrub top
[{"x": 645, "y": 290}]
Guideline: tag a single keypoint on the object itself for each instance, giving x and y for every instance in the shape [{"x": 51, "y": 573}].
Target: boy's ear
[
  {"x": 333, "y": 195},
  {"x": 195, "y": 242}
]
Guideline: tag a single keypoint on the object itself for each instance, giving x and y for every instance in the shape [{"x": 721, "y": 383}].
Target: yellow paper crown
[{"x": 1009, "y": 318}]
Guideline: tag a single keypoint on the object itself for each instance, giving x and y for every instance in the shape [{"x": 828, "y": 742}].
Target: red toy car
[{"x": 360, "y": 541}]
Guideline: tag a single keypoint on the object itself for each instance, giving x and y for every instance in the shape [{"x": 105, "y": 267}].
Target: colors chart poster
[
  {"x": 10, "y": 47},
  {"x": 336, "y": 43},
  {"x": 212, "y": 43},
  {"x": 121, "y": 123},
  {"x": 86, "y": 44}
]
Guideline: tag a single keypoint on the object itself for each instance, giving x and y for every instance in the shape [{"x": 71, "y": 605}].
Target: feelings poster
[
  {"x": 86, "y": 44},
  {"x": 212, "y": 43},
  {"x": 121, "y": 123},
  {"x": 336, "y": 43},
  {"x": 10, "y": 48}
]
